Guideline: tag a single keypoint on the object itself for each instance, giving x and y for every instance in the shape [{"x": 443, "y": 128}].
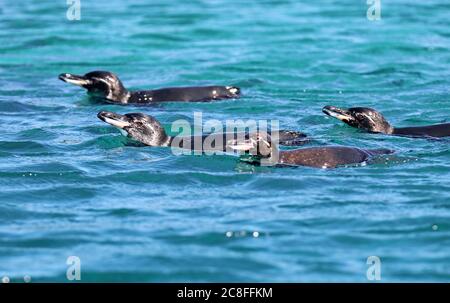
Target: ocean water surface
[{"x": 71, "y": 185}]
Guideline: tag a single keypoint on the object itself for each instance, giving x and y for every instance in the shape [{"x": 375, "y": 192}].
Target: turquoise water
[{"x": 71, "y": 185}]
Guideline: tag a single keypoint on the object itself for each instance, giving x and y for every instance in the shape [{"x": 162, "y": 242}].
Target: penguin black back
[
  {"x": 372, "y": 121},
  {"x": 108, "y": 86}
]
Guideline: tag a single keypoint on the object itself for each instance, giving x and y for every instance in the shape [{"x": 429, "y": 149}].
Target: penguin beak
[
  {"x": 338, "y": 113},
  {"x": 75, "y": 79},
  {"x": 119, "y": 121},
  {"x": 244, "y": 145}
]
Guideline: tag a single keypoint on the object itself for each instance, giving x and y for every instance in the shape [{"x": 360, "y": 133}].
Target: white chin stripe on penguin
[
  {"x": 337, "y": 115},
  {"x": 119, "y": 124},
  {"x": 77, "y": 82}
]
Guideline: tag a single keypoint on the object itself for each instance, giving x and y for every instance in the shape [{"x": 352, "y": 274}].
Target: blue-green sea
[{"x": 71, "y": 185}]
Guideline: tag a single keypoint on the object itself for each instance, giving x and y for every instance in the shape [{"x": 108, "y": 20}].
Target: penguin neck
[
  {"x": 391, "y": 130},
  {"x": 382, "y": 129},
  {"x": 385, "y": 127},
  {"x": 122, "y": 96},
  {"x": 154, "y": 140},
  {"x": 275, "y": 156},
  {"x": 168, "y": 141}
]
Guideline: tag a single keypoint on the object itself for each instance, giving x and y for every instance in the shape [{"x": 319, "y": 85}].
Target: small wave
[{"x": 26, "y": 147}]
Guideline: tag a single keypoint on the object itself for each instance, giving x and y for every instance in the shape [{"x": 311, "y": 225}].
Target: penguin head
[
  {"x": 233, "y": 92},
  {"x": 99, "y": 83},
  {"x": 138, "y": 126},
  {"x": 360, "y": 117}
]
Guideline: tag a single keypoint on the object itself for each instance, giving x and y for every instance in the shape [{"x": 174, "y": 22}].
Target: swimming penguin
[
  {"x": 372, "y": 121},
  {"x": 108, "y": 86},
  {"x": 260, "y": 145},
  {"x": 148, "y": 131}
]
